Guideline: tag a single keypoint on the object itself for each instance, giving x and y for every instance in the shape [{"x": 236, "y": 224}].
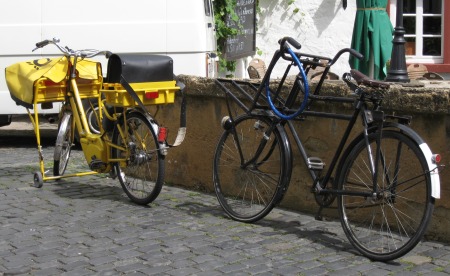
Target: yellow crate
[
  {"x": 149, "y": 93},
  {"x": 48, "y": 91}
]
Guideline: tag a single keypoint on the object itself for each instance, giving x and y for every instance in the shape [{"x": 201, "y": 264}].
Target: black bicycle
[{"x": 385, "y": 181}]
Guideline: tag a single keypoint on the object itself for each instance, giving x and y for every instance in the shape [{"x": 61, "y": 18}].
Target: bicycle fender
[
  {"x": 153, "y": 124},
  {"x": 434, "y": 171},
  {"x": 151, "y": 120},
  {"x": 288, "y": 163}
]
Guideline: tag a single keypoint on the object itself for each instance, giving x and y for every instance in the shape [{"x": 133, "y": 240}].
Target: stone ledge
[{"x": 419, "y": 96}]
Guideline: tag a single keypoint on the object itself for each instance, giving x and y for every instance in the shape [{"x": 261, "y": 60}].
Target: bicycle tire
[
  {"x": 249, "y": 193},
  {"x": 391, "y": 224},
  {"x": 63, "y": 146},
  {"x": 143, "y": 175},
  {"x": 92, "y": 119}
]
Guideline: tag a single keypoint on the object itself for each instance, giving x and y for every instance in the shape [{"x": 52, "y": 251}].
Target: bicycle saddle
[{"x": 360, "y": 78}]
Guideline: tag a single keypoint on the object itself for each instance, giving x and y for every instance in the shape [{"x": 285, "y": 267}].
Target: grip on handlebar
[
  {"x": 356, "y": 54},
  {"x": 42, "y": 43},
  {"x": 345, "y": 50},
  {"x": 291, "y": 41}
]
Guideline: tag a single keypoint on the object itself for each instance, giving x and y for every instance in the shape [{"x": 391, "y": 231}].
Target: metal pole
[{"x": 397, "y": 71}]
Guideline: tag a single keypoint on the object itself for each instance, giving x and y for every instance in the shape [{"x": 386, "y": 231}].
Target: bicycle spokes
[{"x": 389, "y": 223}]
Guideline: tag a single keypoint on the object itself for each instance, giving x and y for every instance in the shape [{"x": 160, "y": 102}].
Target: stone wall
[{"x": 190, "y": 165}]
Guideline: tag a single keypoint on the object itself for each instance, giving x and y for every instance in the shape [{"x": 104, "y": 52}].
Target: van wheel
[{"x": 5, "y": 120}]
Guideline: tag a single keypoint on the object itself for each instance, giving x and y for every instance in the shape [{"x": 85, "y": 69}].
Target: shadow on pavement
[
  {"x": 24, "y": 139},
  {"x": 85, "y": 187}
]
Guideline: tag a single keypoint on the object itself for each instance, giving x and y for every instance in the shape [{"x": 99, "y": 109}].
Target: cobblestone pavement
[{"x": 87, "y": 226}]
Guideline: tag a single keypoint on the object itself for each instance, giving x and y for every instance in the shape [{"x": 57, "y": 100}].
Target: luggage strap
[{"x": 182, "y": 129}]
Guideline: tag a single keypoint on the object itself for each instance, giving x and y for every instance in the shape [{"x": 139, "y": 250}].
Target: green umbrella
[{"x": 372, "y": 33}]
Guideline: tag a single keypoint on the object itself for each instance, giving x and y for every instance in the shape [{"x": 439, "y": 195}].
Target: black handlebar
[
  {"x": 42, "y": 43},
  {"x": 284, "y": 46},
  {"x": 108, "y": 54},
  {"x": 291, "y": 41},
  {"x": 345, "y": 50},
  {"x": 88, "y": 53},
  {"x": 356, "y": 54}
]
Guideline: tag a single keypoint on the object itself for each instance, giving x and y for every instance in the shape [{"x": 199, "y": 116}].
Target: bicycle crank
[{"x": 323, "y": 199}]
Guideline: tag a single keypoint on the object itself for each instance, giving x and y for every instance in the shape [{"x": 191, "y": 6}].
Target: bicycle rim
[
  {"x": 63, "y": 145},
  {"x": 142, "y": 177},
  {"x": 248, "y": 193},
  {"x": 389, "y": 225}
]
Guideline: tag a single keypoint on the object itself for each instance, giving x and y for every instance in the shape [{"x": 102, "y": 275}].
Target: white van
[{"x": 181, "y": 29}]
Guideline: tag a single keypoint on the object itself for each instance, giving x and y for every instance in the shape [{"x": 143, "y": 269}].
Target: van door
[
  {"x": 191, "y": 36},
  {"x": 181, "y": 29},
  {"x": 211, "y": 39}
]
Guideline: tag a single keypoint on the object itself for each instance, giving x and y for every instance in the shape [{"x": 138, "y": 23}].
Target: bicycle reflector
[
  {"x": 436, "y": 158},
  {"x": 162, "y": 134},
  {"x": 151, "y": 94}
]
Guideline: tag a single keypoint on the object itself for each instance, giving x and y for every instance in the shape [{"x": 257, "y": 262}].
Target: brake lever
[{"x": 347, "y": 77}]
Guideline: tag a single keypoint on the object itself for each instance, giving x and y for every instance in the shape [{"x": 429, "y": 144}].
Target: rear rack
[{"x": 243, "y": 93}]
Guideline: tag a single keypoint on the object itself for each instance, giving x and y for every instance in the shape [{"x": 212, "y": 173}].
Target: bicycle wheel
[
  {"x": 388, "y": 225},
  {"x": 64, "y": 142},
  {"x": 92, "y": 119},
  {"x": 142, "y": 176},
  {"x": 249, "y": 186}
]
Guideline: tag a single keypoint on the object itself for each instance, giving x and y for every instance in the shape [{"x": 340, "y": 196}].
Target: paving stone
[
  {"x": 158, "y": 270},
  {"x": 80, "y": 264},
  {"x": 102, "y": 260},
  {"x": 87, "y": 226},
  {"x": 231, "y": 268},
  {"x": 78, "y": 272},
  {"x": 417, "y": 260}
]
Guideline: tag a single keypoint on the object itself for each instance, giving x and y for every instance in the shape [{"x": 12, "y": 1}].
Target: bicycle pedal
[
  {"x": 96, "y": 165},
  {"x": 315, "y": 163}
]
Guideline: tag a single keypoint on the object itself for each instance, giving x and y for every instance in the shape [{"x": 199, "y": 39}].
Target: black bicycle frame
[{"x": 360, "y": 109}]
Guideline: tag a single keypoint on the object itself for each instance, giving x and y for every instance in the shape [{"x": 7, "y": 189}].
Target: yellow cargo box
[
  {"x": 150, "y": 93},
  {"x": 49, "y": 91}
]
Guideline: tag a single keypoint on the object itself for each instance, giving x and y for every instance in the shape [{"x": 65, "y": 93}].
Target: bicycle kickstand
[{"x": 319, "y": 216}]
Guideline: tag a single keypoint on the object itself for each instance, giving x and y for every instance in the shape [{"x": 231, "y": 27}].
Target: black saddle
[{"x": 139, "y": 68}]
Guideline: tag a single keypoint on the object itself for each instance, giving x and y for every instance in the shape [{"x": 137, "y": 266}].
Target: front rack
[{"x": 249, "y": 95}]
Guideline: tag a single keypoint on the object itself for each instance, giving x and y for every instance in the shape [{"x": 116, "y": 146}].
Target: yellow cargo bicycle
[{"x": 127, "y": 142}]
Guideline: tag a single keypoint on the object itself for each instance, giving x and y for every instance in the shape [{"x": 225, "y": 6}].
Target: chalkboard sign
[{"x": 243, "y": 44}]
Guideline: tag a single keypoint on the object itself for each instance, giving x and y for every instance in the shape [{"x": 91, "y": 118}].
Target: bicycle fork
[
  {"x": 266, "y": 133},
  {"x": 376, "y": 117}
]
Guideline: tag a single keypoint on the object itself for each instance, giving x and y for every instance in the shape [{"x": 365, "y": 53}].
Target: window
[{"x": 423, "y": 22}]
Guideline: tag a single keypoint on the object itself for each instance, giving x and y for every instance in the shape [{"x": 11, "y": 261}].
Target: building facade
[
  {"x": 427, "y": 27},
  {"x": 324, "y": 27}
]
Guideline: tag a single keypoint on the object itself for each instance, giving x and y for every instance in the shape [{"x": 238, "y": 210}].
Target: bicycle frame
[
  {"x": 97, "y": 145},
  {"x": 131, "y": 146},
  {"x": 377, "y": 178},
  {"x": 372, "y": 120},
  {"x": 360, "y": 110},
  {"x": 258, "y": 102},
  {"x": 360, "y": 106}
]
